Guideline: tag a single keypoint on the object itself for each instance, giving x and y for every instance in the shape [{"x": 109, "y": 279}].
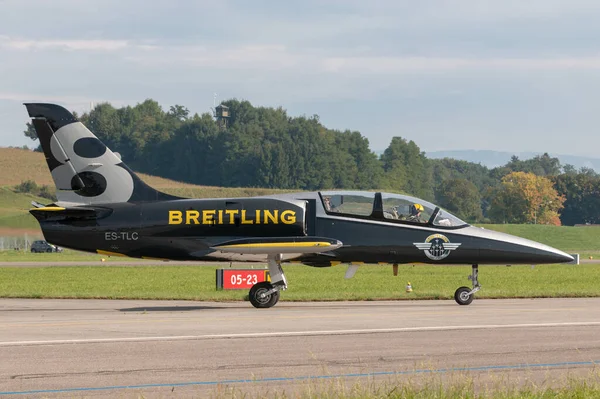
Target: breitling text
[{"x": 232, "y": 216}]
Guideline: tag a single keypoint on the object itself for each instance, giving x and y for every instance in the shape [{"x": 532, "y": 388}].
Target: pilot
[
  {"x": 415, "y": 213},
  {"x": 328, "y": 206}
]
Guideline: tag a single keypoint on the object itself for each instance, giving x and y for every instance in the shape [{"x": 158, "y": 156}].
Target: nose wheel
[
  {"x": 263, "y": 295},
  {"x": 266, "y": 294},
  {"x": 465, "y": 295}
]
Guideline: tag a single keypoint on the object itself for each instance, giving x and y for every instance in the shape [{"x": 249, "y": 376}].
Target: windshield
[{"x": 411, "y": 209}]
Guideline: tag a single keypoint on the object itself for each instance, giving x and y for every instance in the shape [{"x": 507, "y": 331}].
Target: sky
[{"x": 507, "y": 75}]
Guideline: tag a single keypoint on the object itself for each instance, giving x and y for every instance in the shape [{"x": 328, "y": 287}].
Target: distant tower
[{"x": 222, "y": 114}]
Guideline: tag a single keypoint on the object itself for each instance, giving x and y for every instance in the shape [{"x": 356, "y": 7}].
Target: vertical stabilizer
[{"x": 84, "y": 170}]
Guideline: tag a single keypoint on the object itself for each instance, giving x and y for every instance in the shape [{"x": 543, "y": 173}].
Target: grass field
[
  {"x": 306, "y": 283},
  {"x": 66, "y": 256},
  {"x": 431, "y": 385},
  {"x": 455, "y": 385}
]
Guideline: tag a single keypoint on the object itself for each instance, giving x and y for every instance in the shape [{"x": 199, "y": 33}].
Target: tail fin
[{"x": 84, "y": 170}]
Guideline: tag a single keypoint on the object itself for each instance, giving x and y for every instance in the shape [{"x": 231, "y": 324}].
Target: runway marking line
[
  {"x": 250, "y": 317},
  {"x": 291, "y": 334},
  {"x": 202, "y": 319},
  {"x": 312, "y": 377}
]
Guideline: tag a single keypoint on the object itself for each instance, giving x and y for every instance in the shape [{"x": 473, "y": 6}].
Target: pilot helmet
[{"x": 416, "y": 208}]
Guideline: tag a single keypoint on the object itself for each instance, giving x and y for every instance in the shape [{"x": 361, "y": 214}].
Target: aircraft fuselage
[{"x": 189, "y": 229}]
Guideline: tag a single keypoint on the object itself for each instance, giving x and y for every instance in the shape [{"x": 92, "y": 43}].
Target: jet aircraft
[{"x": 104, "y": 207}]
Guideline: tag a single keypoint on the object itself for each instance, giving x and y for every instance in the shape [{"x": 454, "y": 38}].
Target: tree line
[{"x": 265, "y": 147}]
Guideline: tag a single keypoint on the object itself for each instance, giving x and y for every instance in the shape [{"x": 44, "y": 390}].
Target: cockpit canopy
[{"x": 387, "y": 206}]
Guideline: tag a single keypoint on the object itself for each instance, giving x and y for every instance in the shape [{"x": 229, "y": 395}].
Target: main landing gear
[
  {"x": 465, "y": 295},
  {"x": 266, "y": 294}
]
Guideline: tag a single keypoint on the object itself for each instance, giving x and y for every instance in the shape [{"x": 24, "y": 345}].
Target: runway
[{"x": 87, "y": 348}]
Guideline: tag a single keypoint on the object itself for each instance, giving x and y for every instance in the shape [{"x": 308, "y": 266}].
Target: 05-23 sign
[{"x": 232, "y": 279}]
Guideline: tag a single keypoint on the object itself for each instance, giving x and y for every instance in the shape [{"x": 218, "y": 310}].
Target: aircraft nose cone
[
  {"x": 561, "y": 257},
  {"x": 549, "y": 255},
  {"x": 502, "y": 247}
]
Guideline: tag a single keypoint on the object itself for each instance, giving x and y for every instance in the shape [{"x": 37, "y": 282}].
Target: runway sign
[{"x": 240, "y": 279}]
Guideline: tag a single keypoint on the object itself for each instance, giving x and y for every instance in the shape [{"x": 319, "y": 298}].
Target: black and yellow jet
[{"x": 104, "y": 207}]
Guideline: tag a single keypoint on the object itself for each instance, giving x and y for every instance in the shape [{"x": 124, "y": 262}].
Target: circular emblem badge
[{"x": 436, "y": 246}]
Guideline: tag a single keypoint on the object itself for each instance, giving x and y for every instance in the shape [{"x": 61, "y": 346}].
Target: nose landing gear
[{"x": 465, "y": 295}]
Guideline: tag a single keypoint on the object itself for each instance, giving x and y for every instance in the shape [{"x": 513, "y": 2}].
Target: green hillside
[{"x": 13, "y": 209}]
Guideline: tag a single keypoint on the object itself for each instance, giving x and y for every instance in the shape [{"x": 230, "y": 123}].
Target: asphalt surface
[{"x": 101, "y": 348}]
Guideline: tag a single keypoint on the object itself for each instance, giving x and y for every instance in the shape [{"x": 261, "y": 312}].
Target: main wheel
[
  {"x": 263, "y": 302},
  {"x": 461, "y": 296}
]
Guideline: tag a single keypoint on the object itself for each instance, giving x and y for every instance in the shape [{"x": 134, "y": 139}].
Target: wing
[{"x": 279, "y": 245}]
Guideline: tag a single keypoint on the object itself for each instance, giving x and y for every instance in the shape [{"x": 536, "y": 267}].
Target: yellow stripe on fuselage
[
  {"x": 49, "y": 209},
  {"x": 277, "y": 244}
]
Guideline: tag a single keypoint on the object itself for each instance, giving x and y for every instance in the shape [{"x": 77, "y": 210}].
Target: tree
[
  {"x": 541, "y": 165},
  {"x": 584, "y": 170},
  {"x": 569, "y": 169},
  {"x": 462, "y": 198},
  {"x": 179, "y": 112},
  {"x": 407, "y": 169},
  {"x": 32, "y": 134},
  {"x": 526, "y": 198},
  {"x": 450, "y": 169},
  {"x": 394, "y": 165},
  {"x": 582, "y": 192}
]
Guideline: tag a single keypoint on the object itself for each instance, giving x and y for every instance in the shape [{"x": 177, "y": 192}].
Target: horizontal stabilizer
[
  {"x": 55, "y": 213},
  {"x": 279, "y": 245},
  {"x": 37, "y": 204}
]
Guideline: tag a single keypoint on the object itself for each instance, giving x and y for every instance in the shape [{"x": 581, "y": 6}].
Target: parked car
[{"x": 44, "y": 246}]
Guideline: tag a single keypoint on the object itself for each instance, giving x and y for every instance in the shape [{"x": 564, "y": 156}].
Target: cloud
[
  {"x": 71, "y": 45},
  {"x": 72, "y": 102},
  {"x": 423, "y": 64},
  {"x": 470, "y": 70}
]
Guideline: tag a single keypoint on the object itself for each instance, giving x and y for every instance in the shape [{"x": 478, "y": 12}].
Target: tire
[
  {"x": 266, "y": 302},
  {"x": 33, "y": 251},
  {"x": 49, "y": 250},
  {"x": 461, "y": 298}
]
